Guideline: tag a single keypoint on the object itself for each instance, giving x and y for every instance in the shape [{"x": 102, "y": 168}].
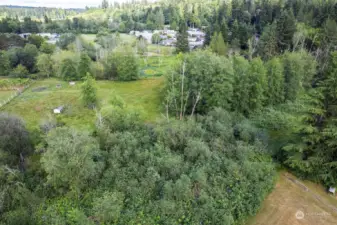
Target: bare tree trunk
[
  {"x": 185, "y": 104},
  {"x": 167, "y": 112},
  {"x": 195, "y": 104},
  {"x": 182, "y": 92}
]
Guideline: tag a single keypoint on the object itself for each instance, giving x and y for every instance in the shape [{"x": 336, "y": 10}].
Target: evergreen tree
[
  {"x": 267, "y": 45},
  {"x": 299, "y": 69},
  {"x": 208, "y": 36},
  {"x": 275, "y": 92},
  {"x": 218, "y": 45},
  {"x": 234, "y": 31},
  {"x": 182, "y": 38},
  {"x": 330, "y": 32},
  {"x": 84, "y": 65},
  {"x": 285, "y": 30},
  {"x": 257, "y": 83},
  {"x": 89, "y": 91},
  {"x": 240, "y": 101},
  {"x": 224, "y": 30},
  {"x": 159, "y": 19},
  {"x": 293, "y": 70}
]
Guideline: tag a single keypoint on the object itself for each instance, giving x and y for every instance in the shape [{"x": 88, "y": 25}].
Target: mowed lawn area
[
  {"x": 37, "y": 103},
  {"x": 297, "y": 202}
]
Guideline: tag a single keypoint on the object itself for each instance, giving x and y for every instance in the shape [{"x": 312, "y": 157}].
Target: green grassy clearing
[
  {"x": 125, "y": 38},
  {"x": 155, "y": 66},
  {"x": 4, "y": 95},
  {"x": 34, "y": 106},
  {"x": 160, "y": 50}
]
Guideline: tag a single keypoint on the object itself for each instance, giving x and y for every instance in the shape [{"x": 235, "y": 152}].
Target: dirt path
[
  {"x": 295, "y": 202},
  {"x": 318, "y": 197}
]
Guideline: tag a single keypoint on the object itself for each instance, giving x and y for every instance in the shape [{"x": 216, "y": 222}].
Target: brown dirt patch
[{"x": 292, "y": 204}]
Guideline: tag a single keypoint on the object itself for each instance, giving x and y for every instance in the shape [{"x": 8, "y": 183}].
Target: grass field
[
  {"x": 155, "y": 65},
  {"x": 4, "y": 95},
  {"x": 290, "y": 203},
  {"x": 125, "y": 38},
  {"x": 37, "y": 103}
]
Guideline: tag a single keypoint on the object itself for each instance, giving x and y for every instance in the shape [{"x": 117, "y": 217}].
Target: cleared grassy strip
[
  {"x": 289, "y": 198},
  {"x": 35, "y": 105},
  {"x": 4, "y": 95}
]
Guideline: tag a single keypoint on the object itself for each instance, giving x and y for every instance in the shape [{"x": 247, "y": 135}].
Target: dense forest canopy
[
  {"x": 261, "y": 93},
  {"x": 37, "y": 13}
]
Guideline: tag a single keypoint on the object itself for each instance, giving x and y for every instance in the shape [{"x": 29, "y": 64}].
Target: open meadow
[
  {"x": 37, "y": 102},
  {"x": 5, "y": 94}
]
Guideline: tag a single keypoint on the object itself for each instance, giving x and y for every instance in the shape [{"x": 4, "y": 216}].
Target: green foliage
[
  {"x": 65, "y": 40},
  {"x": 68, "y": 70},
  {"x": 19, "y": 71},
  {"x": 14, "y": 56},
  {"x": 241, "y": 85},
  {"x": 275, "y": 90},
  {"x": 218, "y": 45},
  {"x": 257, "y": 84},
  {"x": 47, "y": 48},
  {"x": 62, "y": 211},
  {"x": 108, "y": 207},
  {"x": 28, "y": 57},
  {"x": 72, "y": 159},
  {"x": 330, "y": 32},
  {"x": 159, "y": 19},
  {"x": 155, "y": 38},
  {"x": 285, "y": 29},
  {"x": 193, "y": 171},
  {"x": 58, "y": 58},
  {"x": 182, "y": 38},
  {"x": 14, "y": 139},
  {"x": 84, "y": 65},
  {"x": 45, "y": 65},
  {"x": 122, "y": 65},
  {"x": 4, "y": 64},
  {"x": 89, "y": 91},
  {"x": 36, "y": 40},
  {"x": 267, "y": 46},
  {"x": 11, "y": 83},
  {"x": 298, "y": 68},
  {"x": 141, "y": 46},
  {"x": 202, "y": 81},
  {"x": 178, "y": 164}
]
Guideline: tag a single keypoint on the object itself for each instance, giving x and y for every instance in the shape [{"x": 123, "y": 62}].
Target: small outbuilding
[
  {"x": 58, "y": 110},
  {"x": 332, "y": 190},
  {"x": 72, "y": 83}
]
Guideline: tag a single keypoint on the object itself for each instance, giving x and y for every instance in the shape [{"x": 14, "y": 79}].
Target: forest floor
[{"x": 297, "y": 202}]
